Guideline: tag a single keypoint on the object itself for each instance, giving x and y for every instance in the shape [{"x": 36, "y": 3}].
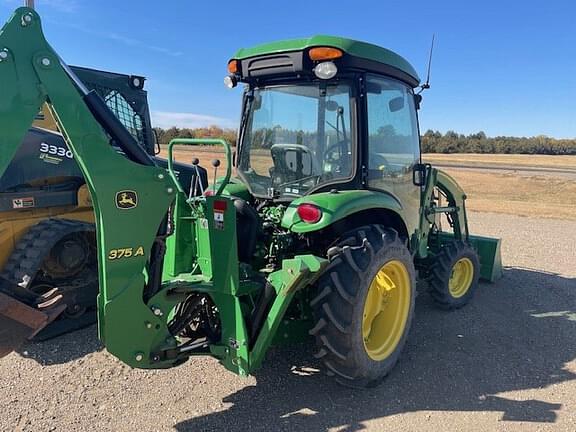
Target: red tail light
[{"x": 309, "y": 213}]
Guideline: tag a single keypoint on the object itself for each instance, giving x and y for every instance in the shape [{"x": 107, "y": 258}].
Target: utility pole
[{"x": 30, "y": 4}]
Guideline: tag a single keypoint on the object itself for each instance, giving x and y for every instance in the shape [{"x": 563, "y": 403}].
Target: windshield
[{"x": 296, "y": 137}]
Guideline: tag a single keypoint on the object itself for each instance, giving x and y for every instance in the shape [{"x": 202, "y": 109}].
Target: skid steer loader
[
  {"x": 47, "y": 232},
  {"x": 322, "y": 232}
]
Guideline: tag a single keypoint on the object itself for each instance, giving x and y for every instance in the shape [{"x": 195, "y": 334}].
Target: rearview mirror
[
  {"x": 420, "y": 174},
  {"x": 331, "y": 105},
  {"x": 417, "y": 100},
  {"x": 396, "y": 104}
]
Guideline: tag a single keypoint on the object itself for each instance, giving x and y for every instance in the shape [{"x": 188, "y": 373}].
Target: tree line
[
  {"x": 164, "y": 136},
  {"x": 432, "y": 141},
  {"x": 452, "y": 142}
]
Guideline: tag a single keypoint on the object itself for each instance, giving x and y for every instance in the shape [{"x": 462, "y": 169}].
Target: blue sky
[{"x": 508, "y": 68}]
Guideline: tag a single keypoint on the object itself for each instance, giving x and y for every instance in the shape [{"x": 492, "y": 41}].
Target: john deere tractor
[{"x": 326, "y": 229}]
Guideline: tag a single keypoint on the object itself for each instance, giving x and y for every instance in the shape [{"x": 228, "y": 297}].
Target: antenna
[
  {"x": 30, "y": 4},
  {"x": 426, "y": 85}
]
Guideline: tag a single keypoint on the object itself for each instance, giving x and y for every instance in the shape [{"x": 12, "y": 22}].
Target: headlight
[
  {"x": 137, "y": 82},
  {"x": 325, "y": 70},
  {"x": 230, "y": 81}
]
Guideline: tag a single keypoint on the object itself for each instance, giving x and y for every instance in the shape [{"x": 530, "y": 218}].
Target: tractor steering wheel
[
  {"x": 340, "y": 159},
  {"x": 378, "y": 161}
]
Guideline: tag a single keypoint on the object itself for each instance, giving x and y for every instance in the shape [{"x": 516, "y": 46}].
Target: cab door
[{"x": 393, "y": 147}]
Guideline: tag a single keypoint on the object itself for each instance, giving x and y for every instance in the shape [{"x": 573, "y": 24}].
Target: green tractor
[{"x": 329, "y": 223}]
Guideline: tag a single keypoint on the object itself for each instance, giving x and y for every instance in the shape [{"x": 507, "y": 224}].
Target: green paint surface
[{"x": 349, "y": 46}]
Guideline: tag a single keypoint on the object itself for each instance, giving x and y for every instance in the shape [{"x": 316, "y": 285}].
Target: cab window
[{"x": 393, "y": 139}]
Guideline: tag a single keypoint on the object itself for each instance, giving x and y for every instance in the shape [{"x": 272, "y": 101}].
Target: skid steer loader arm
[{"x": 130, "y": 187}]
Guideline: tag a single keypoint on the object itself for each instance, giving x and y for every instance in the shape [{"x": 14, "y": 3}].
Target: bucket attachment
[
  {"x": 19, "y": 322},
  {"x": 488, "y": 249}
]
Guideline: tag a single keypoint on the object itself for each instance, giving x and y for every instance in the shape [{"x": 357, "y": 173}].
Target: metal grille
[
  {"x": 126, "y": 114},
  {"x": 123, "y": 110}
]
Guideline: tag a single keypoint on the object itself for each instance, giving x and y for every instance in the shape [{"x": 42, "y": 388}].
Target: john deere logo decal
[{"x": 126, "y": 199}]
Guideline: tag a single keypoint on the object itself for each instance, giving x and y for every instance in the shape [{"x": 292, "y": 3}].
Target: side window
[
  {"x": 126, "y": 114},
  {"x": 393, "y": 141}
]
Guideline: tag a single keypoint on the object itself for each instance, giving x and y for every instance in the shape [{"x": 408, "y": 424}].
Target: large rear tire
[{"x": 364, "y": 306}]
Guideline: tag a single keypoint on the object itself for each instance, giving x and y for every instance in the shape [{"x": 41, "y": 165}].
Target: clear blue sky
[{"x": 508, "y": 68}]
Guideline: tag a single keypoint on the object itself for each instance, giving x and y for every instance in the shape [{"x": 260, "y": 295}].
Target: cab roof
[{"x": 355, "y": 48}]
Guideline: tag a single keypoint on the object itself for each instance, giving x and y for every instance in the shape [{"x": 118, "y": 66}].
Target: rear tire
[
  {"x": 364, "y": 306},
  {"x": 454, "y": 275}
]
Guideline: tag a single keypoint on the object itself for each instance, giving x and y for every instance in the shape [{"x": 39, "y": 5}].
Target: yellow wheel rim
[
  {"x": 386, "y": 310},
  {"x": 461, "y": 277}
]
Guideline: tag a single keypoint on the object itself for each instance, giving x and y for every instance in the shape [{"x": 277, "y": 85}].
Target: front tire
[
  {"x": 454, "y": 275},
  {"x": 365, "y": 305}
]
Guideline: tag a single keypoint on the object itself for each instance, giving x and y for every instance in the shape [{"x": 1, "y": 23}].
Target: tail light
[{"x": 309, "y": 213}]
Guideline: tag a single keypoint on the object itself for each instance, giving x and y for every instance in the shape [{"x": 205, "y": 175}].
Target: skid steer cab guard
[{"x": 320, "y": 239}]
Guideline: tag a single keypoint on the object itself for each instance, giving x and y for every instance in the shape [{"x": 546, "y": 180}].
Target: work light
[
  {"x": 325, "y": 70},
  {"x": 230, "y": 81}
]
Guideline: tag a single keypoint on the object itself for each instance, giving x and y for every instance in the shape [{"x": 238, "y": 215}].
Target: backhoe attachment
[
  {"x": 131, "y": 195},
  {"x": 164, "y": 258}
]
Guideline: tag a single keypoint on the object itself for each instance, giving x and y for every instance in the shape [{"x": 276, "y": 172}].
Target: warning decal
[{"x": 21, "y": 203}]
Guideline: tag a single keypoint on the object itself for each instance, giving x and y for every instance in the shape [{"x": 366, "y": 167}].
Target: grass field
[
  {"x": 537, "y": 195},
  {"x": 504, "y": 159}
]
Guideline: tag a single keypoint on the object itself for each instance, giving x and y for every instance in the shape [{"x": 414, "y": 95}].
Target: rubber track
[{"x": 34, "y": 246}]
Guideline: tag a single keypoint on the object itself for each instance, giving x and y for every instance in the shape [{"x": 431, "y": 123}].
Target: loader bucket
[
  {"x": 488, "y": 249},
  {"x": 19, "y": 322}
]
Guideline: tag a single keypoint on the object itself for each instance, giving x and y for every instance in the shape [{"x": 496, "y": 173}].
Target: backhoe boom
[{"x": 31, "y": 73}]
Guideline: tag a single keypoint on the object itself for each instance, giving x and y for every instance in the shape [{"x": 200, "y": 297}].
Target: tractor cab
[{"x": 324, "y": 113}]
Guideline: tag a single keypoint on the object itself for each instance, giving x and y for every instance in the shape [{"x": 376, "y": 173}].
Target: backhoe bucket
[{"x": 19, "y": 322}]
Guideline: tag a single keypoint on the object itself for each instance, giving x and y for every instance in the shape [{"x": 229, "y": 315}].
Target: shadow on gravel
[
  {"x": 63, "y": 349},
  {"x": 517, "y": 334}
]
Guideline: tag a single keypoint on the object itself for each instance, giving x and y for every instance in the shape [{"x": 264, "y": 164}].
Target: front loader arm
[
  {"x": 488, "y": 248},
  {"x": 130, "y": 200}
]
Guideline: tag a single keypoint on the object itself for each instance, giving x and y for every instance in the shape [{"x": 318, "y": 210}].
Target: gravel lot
[{"x": 505, "y": 362}]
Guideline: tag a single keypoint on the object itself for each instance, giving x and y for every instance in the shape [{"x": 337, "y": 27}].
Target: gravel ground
[{"x": 505, "y": 362}]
